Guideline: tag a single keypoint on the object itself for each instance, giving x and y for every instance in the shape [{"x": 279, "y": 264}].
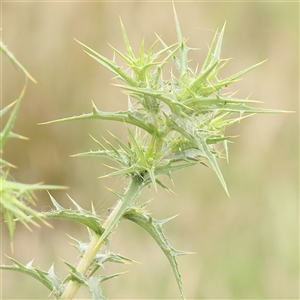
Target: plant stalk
[{"x": 111, "y": 222}]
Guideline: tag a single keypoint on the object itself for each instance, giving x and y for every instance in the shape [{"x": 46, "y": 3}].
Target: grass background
[{"x": 247, "y": 246}]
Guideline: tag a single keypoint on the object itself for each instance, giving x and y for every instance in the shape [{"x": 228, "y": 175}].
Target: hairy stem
[{"x": 111, "y": 222}]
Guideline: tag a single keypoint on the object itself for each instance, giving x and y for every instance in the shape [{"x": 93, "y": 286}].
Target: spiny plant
[
  {"x": 172, "y": 123},
  {"x": 15, "y": 197}
]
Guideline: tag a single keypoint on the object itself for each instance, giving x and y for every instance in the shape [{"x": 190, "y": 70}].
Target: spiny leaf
[
  {"x": 11, "y": 56},
  {"x": 174, "y": 58},
  {"x": 213, "y": 162},
  {"x": 213, "y": 53},
  {"x": 154, "y": 228},
  {"x": 202, "y": 77},
  {"x": 92, "y": 283},
  {"x": 6, "y": 163},
  {"x": 135, "y": 118},
  {"x": 48, "y": 279},
  {"x": 127, "y": 44},
  {"x": 110, "y": 65},
  {"x": 102, "y": 258},
  {"x": 163, "y": 51},
  {"x": 74, "y": 275},
  {"x": 79, "y": 215},
  {"x": 242, "y": 108},
  {"x": 217, "y": 51},
  {"x": 205, "y": 91},
  {"x": 6, "y": 108},
  {"x": 199, "y": 142},
  {"x": 169, "y": 99},
  {"x": 5, "y": 133},
  {"x": 15, "y": 200},
  {"x": 183, "y": 60},
  {"x": 125, "y": 171},
  {"x": 198, "y": 101}
]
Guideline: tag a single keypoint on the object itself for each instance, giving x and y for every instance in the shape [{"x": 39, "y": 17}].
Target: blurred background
[{"x": 247, "y": 246}]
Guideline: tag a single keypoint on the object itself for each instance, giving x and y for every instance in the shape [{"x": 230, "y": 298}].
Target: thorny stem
[
  {"x": 111, "y": 222},
  {"x": 87, "y": 258}
]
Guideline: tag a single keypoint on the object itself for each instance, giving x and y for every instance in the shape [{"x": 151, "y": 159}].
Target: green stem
[
  {"x": 111, "y": 222},
  {"x": 73, "y": 286}
]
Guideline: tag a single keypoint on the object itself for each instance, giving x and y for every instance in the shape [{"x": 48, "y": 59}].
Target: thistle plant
[{"x": 173, "y": 122}]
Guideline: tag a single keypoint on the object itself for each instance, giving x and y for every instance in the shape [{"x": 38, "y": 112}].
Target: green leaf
[
  {"x": 6, "y": 131},
  {"x": 110, "y": 65},
  {"x": 206, "y": 91},
  {"x": 213, "y": 54},
  {"x": 217, "y": 49},
  {"x": 183, "y": 51},
  {"x": 48, "y": 279},
  {"x": 135, "y": 118},
  {"x": 6, "y": 108},
  {"x": 102, "y": 258},
  {"x": 11, "y": 56},
  {"x": 74, "y": 275},
  {"x": 195, "y": 85},
  {"x": 80, "y": 215},
  {"x": 213, "y": 162},
  {"x": 15, "y": 200},
  {"x": 154, "y": 228},
  {"x": 127, "y": 44},
  {"x": 197, "y": 102},
  {"x": 169, "y": 99},
  {"x": 242, "y": 109},
  {"x": 6, "y": 163},
  {"x": 199, "y": 142},
  {"x": 91, "y": 283}
]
